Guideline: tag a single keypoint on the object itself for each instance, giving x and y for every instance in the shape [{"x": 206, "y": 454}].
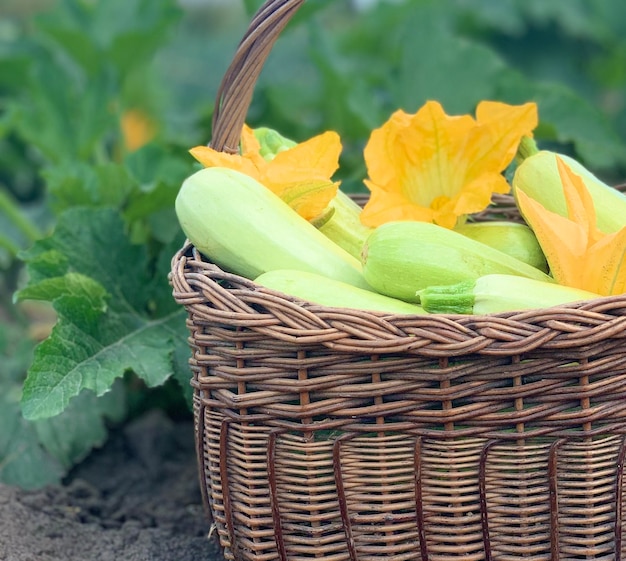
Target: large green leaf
[
  {"x": 513, "y": 16},
  {"x": 567, "y": 119},
  {"x": 103, "y": 290},
  {"x": 65, "y": 119},
  {"x": 99, "y": 34},
  {"x": 37, "y": 453},
  {"x": 70, "y": 436},
  {"x": 74, "y": 184},
  {"x": 34, "y": 454},
  {"x": 437, "y": 64},
  {"x": 23, "y": 461}
]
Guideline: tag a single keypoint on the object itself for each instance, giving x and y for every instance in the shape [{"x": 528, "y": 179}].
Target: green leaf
[
  {"x": 436, "y": 64},
  {"x": 74, "y": 184},
  {"x": 85, "y": 55},
  {"x": 15, "y": 61},
  {"x": 23, "y": 462},
  {"x": 93, "y": 242},
  {"x": 16, "y": 228},
  {"x": 161, "y": 198},
  {"x": 569, "y": 118},
  {"x": 182, "y": 373},
  {"x": 348, "y": 108},
  {"x": 68, "y": 284},
  {"x": 160, "y": 300},
  {"x": 35, "y": 454},
  {"x": 100, "y": 33},
  {"x": 155, "y": 163},
  {"x": 609, "y": 16},
  {"x": 103, "y": 291},
  {"x": 309, "y": 9},
  {"x": 75, "y": 42},
  {"x": 514, "y": 17},
  {"x": 66, "y": 119},
  {"x": 70, "y": 436},
  {"x": 141, "y": 26},
  {"x": 575, "y": 16},
  {"x": 582, "y": 124},
  {"x": 92, "y": 354},
  {"x": 504, "y": 16},
  {"x": 251, "y": 6}
]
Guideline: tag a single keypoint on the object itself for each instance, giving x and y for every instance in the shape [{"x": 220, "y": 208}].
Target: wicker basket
[{"x": 335, "y": 435}]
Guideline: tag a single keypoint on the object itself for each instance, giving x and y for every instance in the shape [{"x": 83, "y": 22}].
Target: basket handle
[{"x": 235, "y": 92}]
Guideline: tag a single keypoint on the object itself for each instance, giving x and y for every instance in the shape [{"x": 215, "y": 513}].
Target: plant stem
[
  {"x": 6, "y": 243},
  {"x": 11, "y": 209},
  {"x": 527, "y": 147}
]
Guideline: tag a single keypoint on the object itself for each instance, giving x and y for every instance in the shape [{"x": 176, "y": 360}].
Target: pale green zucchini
[
  {"x": 340, "y": 221},
  {"x": 538, "y": 177},
  {"x": 344, "y": 226},
  {"x": 246, "y": 229},
  {"x": 318, "y": 289},
  {"x": 513, "y": 238},
  {"x": 498, "y": 293},
  {"x": 400, "y": 258},
  {"x": 272, "y": 142}
]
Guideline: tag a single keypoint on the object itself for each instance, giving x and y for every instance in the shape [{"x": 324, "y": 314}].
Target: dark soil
[{"x": 136, "y": 499}]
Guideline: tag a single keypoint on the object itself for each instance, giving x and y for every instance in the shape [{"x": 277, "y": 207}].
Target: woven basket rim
[{"x": 242, "y": 302}]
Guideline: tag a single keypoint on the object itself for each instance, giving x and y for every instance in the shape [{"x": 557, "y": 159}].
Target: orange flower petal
[
  {"x": 448, "y": 165},
  {"x": 564, "y": 242},
  {"x": 501, "y": 128},
  {"x": 308, "y": 198},
  {"x": 386, "y": 207},
  {"x": 605, "y": 264},
  {"x": 316, "y": 158},
  {"x": 383, "y": 152},
  {"x": 301, "y": 175},
  {"x": 579, "y": 254},
  {"x": 580, "y": 206},
  {"x": 434, "y": 146},
  {"x": 476, "y": 195},
  {"x": 213, "y": 158},
  {"x": 249, "y": 142}
]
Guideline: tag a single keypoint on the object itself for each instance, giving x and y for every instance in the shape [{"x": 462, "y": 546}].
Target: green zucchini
[
  {"x": 538, "y": 177},
  {"x": 344, "y": 226},
  {"x": 498, "y": 293},
  {"x": 340, "y": 221},
  {"x": 318, "y": 289},
  {"x": 246, "y": 229},
  {"x": 271, "y": 142},
  {"x": 513, "y": 238},
  {"x": 400, "y": 258}
]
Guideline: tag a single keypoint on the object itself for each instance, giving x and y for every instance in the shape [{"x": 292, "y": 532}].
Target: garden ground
[{"x": 137, "y": 499}]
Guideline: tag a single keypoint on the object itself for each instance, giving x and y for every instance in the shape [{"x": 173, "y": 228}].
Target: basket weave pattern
[{"x": 338, "y": 434}]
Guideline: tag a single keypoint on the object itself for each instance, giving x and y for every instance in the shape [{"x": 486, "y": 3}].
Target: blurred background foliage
[{"x": 101, "y": 99}]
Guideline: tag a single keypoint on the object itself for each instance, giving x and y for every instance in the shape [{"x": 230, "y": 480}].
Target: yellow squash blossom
[
  {"x": 579, "y": 255},
  {"x": 137, "y": 129},
  {"x": 433, "y": 167},
  {"x": 300, "y": 175}
]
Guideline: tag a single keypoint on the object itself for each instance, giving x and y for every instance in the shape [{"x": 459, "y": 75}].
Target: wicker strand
[{"x": 235, "y": 92}]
